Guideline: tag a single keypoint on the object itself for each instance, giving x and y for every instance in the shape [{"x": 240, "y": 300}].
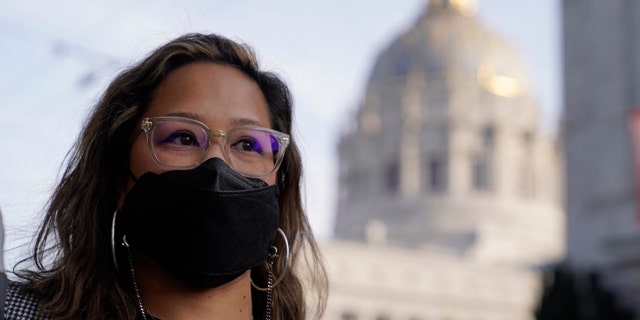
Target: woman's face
[{"x": 222, "y": 97}]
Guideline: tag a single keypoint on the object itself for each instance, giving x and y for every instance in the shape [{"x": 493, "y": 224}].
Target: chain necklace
[
  {"x": 144, "y": 313},
  {"x": 271, "y": 258},
  {"x": 135, "y": 283}
]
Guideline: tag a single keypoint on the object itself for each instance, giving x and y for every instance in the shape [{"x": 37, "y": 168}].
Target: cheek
[
  {"x": 141, "y": 160},
  {"x": 270, "y": 179}
]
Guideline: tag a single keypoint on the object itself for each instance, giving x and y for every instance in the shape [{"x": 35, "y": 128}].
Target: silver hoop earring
[
  {"x": 270, "y": 260},
  {"x": 113, "y": 240}
]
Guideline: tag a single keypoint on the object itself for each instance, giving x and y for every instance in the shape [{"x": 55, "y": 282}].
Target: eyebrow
[{"x": 235, "y": 121}]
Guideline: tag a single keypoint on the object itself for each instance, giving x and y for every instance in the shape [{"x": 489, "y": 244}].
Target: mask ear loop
[
  {"x": 113, "y": 229},
  {"x": 115, "y": 262},
  {"x": 272, "y": 256},
  {"x": 113, "y": 241}
]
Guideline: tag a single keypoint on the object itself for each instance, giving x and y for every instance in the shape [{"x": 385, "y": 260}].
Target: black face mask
[{"x": 206, "y": 225}]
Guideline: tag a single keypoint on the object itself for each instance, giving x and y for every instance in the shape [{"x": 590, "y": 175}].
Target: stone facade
[{"x": 376, "y": 282}]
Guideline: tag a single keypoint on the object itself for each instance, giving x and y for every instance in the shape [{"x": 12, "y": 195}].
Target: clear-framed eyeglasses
[{"x": 182, "y": 143}]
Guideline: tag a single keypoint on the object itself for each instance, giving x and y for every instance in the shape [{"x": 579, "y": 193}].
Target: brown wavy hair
[{"x": 73, "y": 272}]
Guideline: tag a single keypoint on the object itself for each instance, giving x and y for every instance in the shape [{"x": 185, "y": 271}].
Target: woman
[{"x": 180, "y": 200}]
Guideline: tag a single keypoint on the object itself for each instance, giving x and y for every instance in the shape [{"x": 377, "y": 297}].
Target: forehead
[{"x": 218, "y": 95}]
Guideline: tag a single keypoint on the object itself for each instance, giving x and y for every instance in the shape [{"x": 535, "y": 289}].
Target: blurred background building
[
  {"x": 602, "y": 96},
  {"x": 450, "y": 192}
]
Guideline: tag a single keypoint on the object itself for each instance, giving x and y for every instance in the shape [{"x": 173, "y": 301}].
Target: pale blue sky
[{"x": 57, "y": 57}]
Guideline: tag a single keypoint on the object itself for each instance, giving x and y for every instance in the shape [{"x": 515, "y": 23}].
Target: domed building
[{"x": 450, "y": 192}]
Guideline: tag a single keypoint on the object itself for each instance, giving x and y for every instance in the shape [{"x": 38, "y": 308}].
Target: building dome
[
  {"x": 448, "y": 39},
  {"x": 445, "y": 148}
]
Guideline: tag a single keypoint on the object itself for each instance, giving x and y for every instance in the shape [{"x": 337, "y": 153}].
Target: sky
[{"x": 57, "y": 57}]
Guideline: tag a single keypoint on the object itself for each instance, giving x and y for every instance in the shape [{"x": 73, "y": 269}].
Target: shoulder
[{"x": 21, "y": 305}]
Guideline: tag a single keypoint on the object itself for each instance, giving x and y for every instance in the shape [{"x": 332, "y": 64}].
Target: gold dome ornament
[{"x": 466, "y": 7}]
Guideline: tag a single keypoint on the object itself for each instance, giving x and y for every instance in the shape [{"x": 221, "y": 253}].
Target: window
[
  {"x": 356, "y": 185},
  {"x": 527, "y": 178},
  {"x": 437, "y": 175},
  {"x": 480, "y": 173},
  {"x": 481, "y": 162},
  {"x": 393, "y": 177},
  {"x": 488, "y": 136},
  {"x": 348, "y": 316},
  {"x": 402, "y": 60}
]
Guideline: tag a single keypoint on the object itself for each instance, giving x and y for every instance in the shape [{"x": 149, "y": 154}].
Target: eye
[
  {"x": 247, "y": 144},
  {"x": 183, "y": 138}
]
